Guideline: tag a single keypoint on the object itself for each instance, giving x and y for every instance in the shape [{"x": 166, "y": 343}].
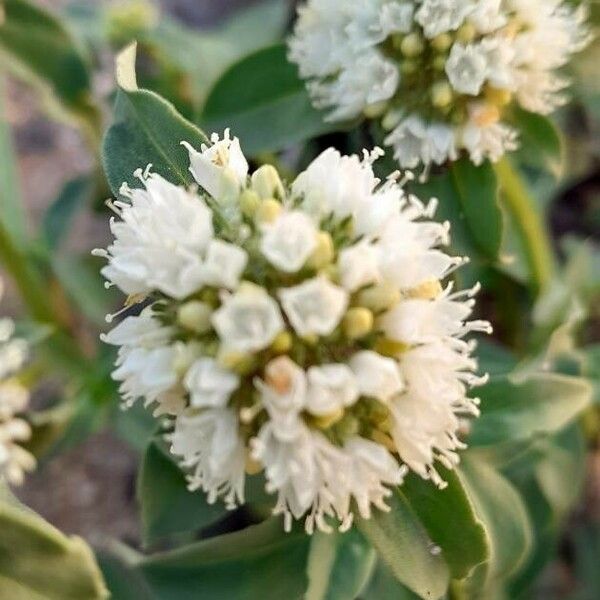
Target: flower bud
[
  {"x": 252, "y": 467},
  {"x": 375, "y": 110},
  {"x": 391, "y": 348},
  {"x": 326, "y": 421},
  {"x": 249, "y": 202},
  {"x": 466, "y": 33},
  {"x": 380, "y": 297},
  {"x": 267, "y": 183},
  {"x": 498, "y": 97},
  {"x": 268, "y": 211},
  {"x": 442, "y": 42},
  {"x": 195, "y": 316},
  {"x": 412, "y": 45},
  {"x": 358, "y": 322},
  {"x": 238, "y": 362},
  {"x": 324, "y": 253},
  {"x": 426, "y": 291},
  {"x": 282, "y": 343},
  {"x": 441, "y": 94},
  {"x": 185, "y": 355}
]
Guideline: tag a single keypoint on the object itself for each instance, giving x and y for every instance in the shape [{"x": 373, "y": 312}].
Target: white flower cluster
[
  {"x": 302, "y": 331},
  {"x": 439, "y": 74},
  {"x": 15, "y": 461}
]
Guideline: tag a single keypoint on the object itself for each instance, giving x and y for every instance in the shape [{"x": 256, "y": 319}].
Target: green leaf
[
  {"x": 504, "y": 516},
  {"x": 261, "y": 562},
  {"x": 167, "y": 506},
  {"x": 38, "y": 48},
  {"x": 204, "y": 56},
  {"x": 122, "y": 579},
  {"x": 541, "y": 141},
  {"x": 591, "y": 368},
  {"x": 516, "y": 408},
  {"x": 404, "y": 545},
  {"x": 11, "y": 202},
  {"x": 560, "y": 473},
  {"x": 476, "y": 189},
  {"x": 383, "y": 586},
  {"x": 37, "y": 562},
  {"x": 59, "y": 216},
  {"x": 450, "y": 518},
  {"x": 339, "y": 565},
  {"x": 146, "y": 130},
  {"x": 264, "y": 102}
]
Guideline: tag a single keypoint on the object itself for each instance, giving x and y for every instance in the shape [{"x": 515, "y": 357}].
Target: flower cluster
[
  {"x": 302, "y": 331},
  {"x": 441, "y": 75},
  {"x": 14, "y": 398}
]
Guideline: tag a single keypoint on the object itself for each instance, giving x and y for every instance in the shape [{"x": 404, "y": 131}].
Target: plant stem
[
  {"x": 28, "y": 280},
  {"x": 526, "y": 216}
]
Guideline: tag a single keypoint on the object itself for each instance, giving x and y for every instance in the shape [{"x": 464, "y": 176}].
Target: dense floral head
[
  {"x": 441, "y": 75},
  {"x": 14, "y": 398},
  {"x": 303, "y": 331}
]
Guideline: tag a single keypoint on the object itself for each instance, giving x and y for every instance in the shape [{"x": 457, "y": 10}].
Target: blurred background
[
  {"x": 89, "y": 490},
  {"x": 86, "y": 483}
]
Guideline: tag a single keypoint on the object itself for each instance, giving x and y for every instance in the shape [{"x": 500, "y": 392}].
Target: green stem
[
  {"x": 531, "y": 227},
  {"x": 28, "y": 280}
]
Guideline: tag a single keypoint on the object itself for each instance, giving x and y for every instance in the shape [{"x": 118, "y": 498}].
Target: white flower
[
  {"x": 277, "y": 398},
  {"x": 159, "y": 240},
  {"x": 396, "y": 17},
  {"x": 145, "y": 363},
  {"x": 417, "y": 321},
  {"x": 415, "y": 142},
  {"x": 359, "y": 266},
  {"x": 289, "y": 241},
  {"x": 467, "y": 68},
  {"x": 283, "y": 393},
  {"x": 440, "y": 16},
  {"x": 334, "y": 185},
  {"x": 483, "y": 139},
  {"x": 224, "y": 264},
  {"x": 15, "y": 461},
  {"x": 377, "y": 376},
  {"x": 315, "y": 307},
  {"x": 373, "y": 469},
  {"x": 248, "y": 320},
  {"x": 212, "y": 449},
  {"x": 221, "y": 168},
  {"x": 330, "y": 388},
  {"x": 502, "y": 52},
  {"x": 407, "y": 251},
  {"x": 290, "y": 468},
  {"x": 209, "y": 384}
]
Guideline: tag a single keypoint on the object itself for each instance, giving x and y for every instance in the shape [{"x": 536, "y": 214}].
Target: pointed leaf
[
  {"x": 504, "y": 516},
  {"x": 261, "y": 562},
  {"x": 339, "y": 565},
  {"x": 450, "y": 518},
  {"x": 404, "y": 545},
  {"x": 166, "y": 504},
  {"x": 38, "y": 562},
  {"x": 264, "y": 102},
  {"x": 476, "y": 189},
  {"x": 518, "y": 408},
  {"x": 146, "y": 130}
]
